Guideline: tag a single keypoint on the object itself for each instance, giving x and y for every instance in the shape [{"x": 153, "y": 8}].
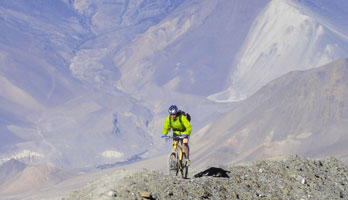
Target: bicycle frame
[
  {"x": 176, "y": 146},
  {"x": 178, "y": 155}
]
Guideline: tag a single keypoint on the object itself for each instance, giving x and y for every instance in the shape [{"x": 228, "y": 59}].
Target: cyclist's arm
[
  {"x": 187, "y": 125},
  {"x": 166, "y": 126}
]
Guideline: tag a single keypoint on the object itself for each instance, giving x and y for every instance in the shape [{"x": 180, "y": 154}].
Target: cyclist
[{"x": 180, "y": 127}]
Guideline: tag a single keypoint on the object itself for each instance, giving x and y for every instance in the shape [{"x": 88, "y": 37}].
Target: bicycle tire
[
  {"x": 184, "y": 169},
  {"x": 173, "y": 168}
]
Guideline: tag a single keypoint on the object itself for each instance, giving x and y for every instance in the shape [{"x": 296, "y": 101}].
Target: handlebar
[{"x": 179, "y": 137}]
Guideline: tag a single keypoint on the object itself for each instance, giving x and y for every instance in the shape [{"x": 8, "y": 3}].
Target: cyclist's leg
[
  {"x": 187, "y": 150},
  {"x": 173, "y": 159},
  {"x": 174, "y": 147},
  {"x": 186, "y": 147},
  {"x": 175, "y": 144}
]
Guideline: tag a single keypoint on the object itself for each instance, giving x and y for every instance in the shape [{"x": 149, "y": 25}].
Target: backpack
[
  {"x": 180, "y": 113},
  {"x": 188, "y": 116}
]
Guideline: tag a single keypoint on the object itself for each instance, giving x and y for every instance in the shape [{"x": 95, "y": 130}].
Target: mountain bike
[{"x": 177, "y": 159}]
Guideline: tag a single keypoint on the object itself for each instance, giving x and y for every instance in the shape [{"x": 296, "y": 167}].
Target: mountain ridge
[
  {"x": 64, "y": 70},
  {"x": 10, "y": 169},
  {"x": 301, "y": 112},
  {"x": 286, "y": 36}
]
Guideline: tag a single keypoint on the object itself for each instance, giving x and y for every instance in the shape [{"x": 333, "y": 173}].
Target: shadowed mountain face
[
  {"x": 10, "y": 169},
  {"x": 303, "y": 112}
]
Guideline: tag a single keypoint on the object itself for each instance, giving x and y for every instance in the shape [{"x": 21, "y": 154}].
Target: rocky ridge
[{"x": 290, "y": 177}]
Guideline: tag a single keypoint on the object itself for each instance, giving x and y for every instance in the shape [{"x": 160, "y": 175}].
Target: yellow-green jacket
[{"x": 178, "y": 127}]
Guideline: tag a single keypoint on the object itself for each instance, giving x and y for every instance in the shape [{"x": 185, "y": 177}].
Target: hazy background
[{"x": 87, "y": 84}]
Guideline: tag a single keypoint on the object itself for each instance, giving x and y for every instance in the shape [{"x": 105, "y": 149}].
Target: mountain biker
[{"x": 180, "y": 128}]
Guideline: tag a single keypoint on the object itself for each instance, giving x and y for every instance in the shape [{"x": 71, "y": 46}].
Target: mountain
[
  {"x": 10, "y": 169},
  {"x": 88, "y": 83},
  {"x": 53, "y": 111},
  {"x": 59, "y": 103},
  {"x": 190, "y": 50},
  {"x": 33, "y": 57},
  {"x": 302, "y": 112},
  {"x": 286, "y": 36},
  {"x": 33, "y": 178}
]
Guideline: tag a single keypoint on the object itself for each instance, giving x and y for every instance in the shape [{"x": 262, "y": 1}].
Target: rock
[
  {"x": 303, "y": 181},
  {"x": 146, "y": 195},
  {"x": 285, "y": 191},
  {"x": 112, "y": 194}
]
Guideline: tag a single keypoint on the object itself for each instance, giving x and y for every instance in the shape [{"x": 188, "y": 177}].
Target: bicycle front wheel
[{"x": 173, "y": 168}]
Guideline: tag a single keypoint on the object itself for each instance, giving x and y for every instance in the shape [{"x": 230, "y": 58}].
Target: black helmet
[{"x": 173, "y": 109}]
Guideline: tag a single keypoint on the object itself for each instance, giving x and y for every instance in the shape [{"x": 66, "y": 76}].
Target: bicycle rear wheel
[
  {"x": 184, "y": 169},
  {"x": 173, "y": 168}
]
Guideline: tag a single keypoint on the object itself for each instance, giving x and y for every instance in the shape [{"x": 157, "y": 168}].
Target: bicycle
[{"x": 177, "y": 159}]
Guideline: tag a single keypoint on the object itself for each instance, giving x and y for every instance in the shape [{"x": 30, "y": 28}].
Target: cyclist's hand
[
  {"x": 184, "y": 135},
  {"x": 164, "y": 136}
]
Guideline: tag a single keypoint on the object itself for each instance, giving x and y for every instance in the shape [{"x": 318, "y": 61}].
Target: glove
[
  {"x": 164, "y": 136},
  {"x": 184, "y": 135}
]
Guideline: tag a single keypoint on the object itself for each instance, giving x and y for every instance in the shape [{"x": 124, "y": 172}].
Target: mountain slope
[
  {"x": 10, "y": 169},
  {"x": 114, "y": 25},
  {"x": 34, "y": 73},
  {"x": 59, "y": 104},
  {"x": 48, "y": 110},
  {"x": 190, "y": 50},
  {"x": 302, "y": 112},
  {"x": 286, "y": 36},
  {"x": 32, "y": 178},
  {"x": 35, "y": 53},
  {"x": 87, "y": 83}
]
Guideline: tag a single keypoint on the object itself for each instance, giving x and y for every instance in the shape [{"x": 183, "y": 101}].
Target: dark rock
[{"x": 213, "y": 171}]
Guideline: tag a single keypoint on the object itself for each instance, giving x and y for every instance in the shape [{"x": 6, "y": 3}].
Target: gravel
[{"x": 292, "y": 177}]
